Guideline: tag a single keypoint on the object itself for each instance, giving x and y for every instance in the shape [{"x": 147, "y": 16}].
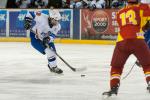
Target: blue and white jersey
[{"x": 41, "y": 25}]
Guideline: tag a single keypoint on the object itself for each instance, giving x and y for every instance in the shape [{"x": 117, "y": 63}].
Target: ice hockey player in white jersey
[{"x": 43, "y": 29}]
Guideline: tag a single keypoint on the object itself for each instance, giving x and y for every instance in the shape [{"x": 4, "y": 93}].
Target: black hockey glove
[
  {"x": 27, "y": 23},
  {"x": 146, "y": 26},
  {"x": 50, "y": 22},
  {"x": 46, "y": 41}
]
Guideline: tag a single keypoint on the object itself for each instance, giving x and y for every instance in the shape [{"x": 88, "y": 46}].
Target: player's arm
[
  {"x": 28, "y": 20},
  {"x": 56, "y": 29},
  {"x": 51, "y": 35}
]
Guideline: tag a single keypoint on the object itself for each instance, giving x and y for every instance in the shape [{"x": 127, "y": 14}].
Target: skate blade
[
  {"x": 148, "y": 91},
  {"x": 56, "y": 74},
  {"x": 107, "y": 97}
]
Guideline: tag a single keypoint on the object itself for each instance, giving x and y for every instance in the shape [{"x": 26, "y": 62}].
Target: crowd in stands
[{"x": 91, "y": 4}]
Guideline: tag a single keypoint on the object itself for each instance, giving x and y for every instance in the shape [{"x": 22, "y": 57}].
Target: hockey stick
[
  {"x": 129, "y": 72},
  {"x": 72, "y": 68},
  {"x": 133, "y": 66}
]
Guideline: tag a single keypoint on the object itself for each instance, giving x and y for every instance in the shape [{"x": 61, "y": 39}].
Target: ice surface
[{"x": 24, "y": 74}]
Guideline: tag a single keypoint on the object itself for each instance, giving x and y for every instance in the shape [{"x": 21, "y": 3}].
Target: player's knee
[
  {"x": 38, "y": 47},
  {"x": 146, "y": 69},
  {"x": 116, "y": 70},
  {"x": 49, "y": 53}
]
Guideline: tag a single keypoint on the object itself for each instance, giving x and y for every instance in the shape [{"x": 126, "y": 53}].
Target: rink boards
[
  {"x": 66, "y": 41},
  {"x": 79, "y": 26}
]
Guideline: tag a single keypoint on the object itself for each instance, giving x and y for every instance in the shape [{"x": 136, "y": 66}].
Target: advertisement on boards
[
  {"x": 3, "y": 18},
  {"x": 16, "y": 23},
  {"x": 65, "y": 23},
  {"x": 99, "y": 24}
]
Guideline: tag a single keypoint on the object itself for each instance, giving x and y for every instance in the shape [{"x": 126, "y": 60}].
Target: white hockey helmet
[{"x": 55, "y": 14}]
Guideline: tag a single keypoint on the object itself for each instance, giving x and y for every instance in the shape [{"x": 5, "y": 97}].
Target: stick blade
[{"x": 80, "y": 69}]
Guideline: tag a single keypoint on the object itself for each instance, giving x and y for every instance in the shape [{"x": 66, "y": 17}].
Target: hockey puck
[{"x": 82, "y": 75}]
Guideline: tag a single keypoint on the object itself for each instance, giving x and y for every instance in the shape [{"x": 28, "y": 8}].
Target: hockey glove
[
  {"x": 146, "y": 26},
  {"x": 46, "y": 41},
  {"x": 50, "y": 22},
  {"x": 27, "y": 23}
]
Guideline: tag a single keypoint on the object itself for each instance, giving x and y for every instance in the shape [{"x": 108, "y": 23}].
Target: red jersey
[
  {"x": 146, "y": 16},
  {"x": 130, "y": 21}
]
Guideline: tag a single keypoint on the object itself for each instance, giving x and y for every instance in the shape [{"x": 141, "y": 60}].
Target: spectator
[
  {"x": 145, "y": 1},
  {"x": 122, "y": 3},
  {"x": 32, "y": 4},
  {"x": 3, "y": 3},
  {"x": 11, "y": 4},
  {"x": 86, "y": 3},
  {"x": 76, "y": 4},
  {"x": 23, "y": 3},
  {"x": 97, "y": 4},
  {"x": 115, "y": 4},
  {"x": 118, "y": 3},
  {"x": 65, "y": 3},
  {"x": 41, "y": 3},
  {"x": 55, "y": 3},
  {"x": 68, "y": 2}
]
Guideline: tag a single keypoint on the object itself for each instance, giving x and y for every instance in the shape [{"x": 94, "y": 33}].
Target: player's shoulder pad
[
  {"x": 120, "y": 10},
  {"x": 52, "y": 35},
  {"x": 144, "y": 6},
  {"x": 45, "y": 15}
]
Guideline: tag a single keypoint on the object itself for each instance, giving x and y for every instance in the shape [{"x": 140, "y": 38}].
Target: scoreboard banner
[{"x": 99, "y": 24}]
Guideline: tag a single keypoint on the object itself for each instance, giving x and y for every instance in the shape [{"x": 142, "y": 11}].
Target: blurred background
[
  {"x": 81, "y": 19},
  {"x": 61, "y": 3}
]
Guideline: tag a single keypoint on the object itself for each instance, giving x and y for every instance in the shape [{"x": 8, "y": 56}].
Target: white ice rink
[{"x": 24, "y": 74}]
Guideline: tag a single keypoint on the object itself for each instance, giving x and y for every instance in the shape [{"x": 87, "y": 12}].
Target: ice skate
[
  {"x": 112, "y": 93},
  {"x": 148, "y": 88},
  {"x": 138, "y": 64},
  {"x": 55, "y": 70}
]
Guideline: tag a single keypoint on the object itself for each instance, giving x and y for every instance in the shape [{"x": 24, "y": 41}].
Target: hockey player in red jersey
[{"x": 130, "y": 41}]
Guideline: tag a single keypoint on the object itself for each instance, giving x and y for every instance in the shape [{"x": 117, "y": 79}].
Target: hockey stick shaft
[
  {"x": 72, "y": 68},
  {"x": 129, "y": 72},
  {"x": 133, "y": 65}
]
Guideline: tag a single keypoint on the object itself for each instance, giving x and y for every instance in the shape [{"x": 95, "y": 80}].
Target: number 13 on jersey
[{"x": 128, "y": 17}]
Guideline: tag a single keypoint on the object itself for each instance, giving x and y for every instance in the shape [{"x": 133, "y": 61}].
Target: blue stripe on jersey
[
  {"x": 52, "y": 35},
  {"x": 28, "y": 18},
  {"x": 32, "y": 14},
  {"x": 52, "y": 59}
]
